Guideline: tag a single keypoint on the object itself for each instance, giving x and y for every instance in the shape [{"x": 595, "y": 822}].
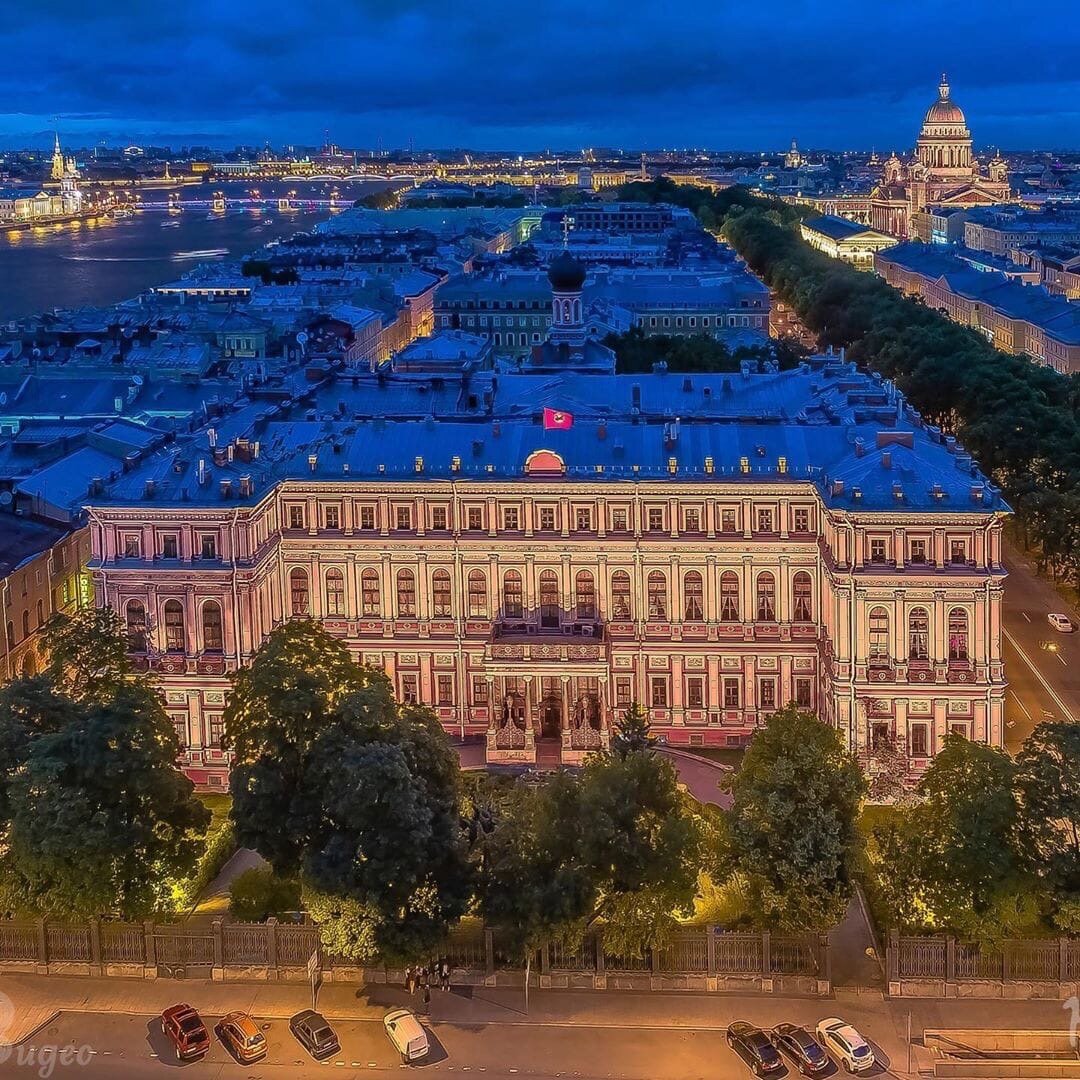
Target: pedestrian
[
  {"x": 410, "y": 980},
  {"x": 427, "y": 1000},
  {"x": 444, "y": 973}
]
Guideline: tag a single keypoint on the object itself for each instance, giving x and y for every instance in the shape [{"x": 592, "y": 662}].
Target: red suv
[{"x": 184, "y": 1028}]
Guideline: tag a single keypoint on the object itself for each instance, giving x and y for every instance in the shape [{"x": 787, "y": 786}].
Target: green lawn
[
  {"x": 869, "y": 819},
  {"x": 218, "y": 805}
]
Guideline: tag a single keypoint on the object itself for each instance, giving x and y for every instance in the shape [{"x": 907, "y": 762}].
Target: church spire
[{"x": 943, "y": 87}]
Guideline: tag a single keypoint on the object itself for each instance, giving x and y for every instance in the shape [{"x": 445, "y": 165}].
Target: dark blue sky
[{"x": 513, "y": 74}]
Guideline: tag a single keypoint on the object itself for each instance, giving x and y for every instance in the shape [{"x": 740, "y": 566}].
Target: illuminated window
[
  {"x": 766, "y": 597},
  {"x": 879, "y": 636},
  {"x": 919, "y": 634},
  {"x": 444, "y": 690},
  {"x": 300, "y": 600},
  {"x": 513, "y": 599},
  {"x": 211, "y": 626},
  {"x": 729, "y": 596},
  {"x": 657, "y": 593},
  {"x": 958, "y": 634},
  {"x": 371, "y": 604},
  {"x": 333, "y": 517},
  {"x": 477, "y": 590},
  {"x": 335, "y": 592},
  {"x": 585, "y": 595},
  {"x": 620, "y": 595},
  {"x": 406, "y": 594},
  {"x": 693, "y": 597},
  {"x": 801, "y": 591},
  {"x": 441, "y": 602},
  {"x": 135, "y": 616},
  {"x": 174, "y": 627}
]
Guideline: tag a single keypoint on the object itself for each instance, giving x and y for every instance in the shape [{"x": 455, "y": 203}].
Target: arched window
[
  {"x": 549, "y": 599},
  {"x": 406, "y": 594},
  {"x": 729, "y": 596},
  {"x": 478, "y": 597},
  {"x": 621, "y": 607},
  {"x": 442, "y": 604},
  {"x": 693, "y": 597},
  {"x": 40, "y": 613},
  {"x": 299, "y": 594},
  {"x": 26, "y": 624},
  {"x": 513, "y": 600},
  {"x": 135, "y": 617},
  {"x": 211, "y": 626},
  {"x": 879, "y": 636},
  {"x": 174, "y": 626},
  {"x": 585, "y": 595},
  {"x": 657, "y": 592},
  {"x": 766, "y": 597},
  {"x": 919, "y": 634},
  {"x": 801, "y": 592},
  {"x": 370, "y": 602},
  {"x": 958, "y": 634},
  {"x": 335, "y": 592}
]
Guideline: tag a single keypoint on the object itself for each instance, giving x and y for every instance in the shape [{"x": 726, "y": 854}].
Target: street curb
[{"x": 44, "y": 1024}]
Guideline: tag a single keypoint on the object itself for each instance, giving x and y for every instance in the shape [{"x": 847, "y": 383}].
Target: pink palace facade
[{"x": 712, "y": 546}]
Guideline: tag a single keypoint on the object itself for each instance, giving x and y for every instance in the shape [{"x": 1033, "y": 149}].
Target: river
[{"x": 101, "y": 262}]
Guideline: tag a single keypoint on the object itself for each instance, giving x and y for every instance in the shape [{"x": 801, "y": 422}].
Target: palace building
[
  {"x": 530, "y": 553},
  {"x": 942, "y": 172}
]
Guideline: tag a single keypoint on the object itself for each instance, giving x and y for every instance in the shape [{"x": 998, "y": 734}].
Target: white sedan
[
  {"x": 407, "y": 1034},
  {"x": 845, "y": 1044},
  {"x": 1062, "y": 623}
]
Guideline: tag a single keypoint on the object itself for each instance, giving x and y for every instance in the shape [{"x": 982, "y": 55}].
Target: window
[
  {"x": 623, "y": 696},
  {"x": 583, "y": 519},
  {"x": 620, "y": 595},
  {"x": 40, "y": 613},
  {"x": 300, "y": 601},
  {"x": 547, "y": 518},
  {"x": 732, "y": 693},
  {"x": 656, "y": 519},
  {"x": 958, "y": 551},
  {"x": 695, "y": 692},
  {"x": 438, "y": 518},
  {"x": 766, "y": 597},
  {"x": 174, "y": 626},
  {"x": 549, "y": 599},
  {"x": 767, "y": 694},
  {"x": 692, "y": 520},
  {"x": 693, "y": 597},
  {"x": 179, "y": 722},
  {"x": 296, "y": 517},
  {"x": 26, "y": 624},
  {"x": 764, "y": 520},
  {"x": 135, "y": 616},
  {"x": 658, "y": 695},
  {"x": 367, "y": 518},
  {"x": 478, "y": 599},
  {"x": 335, "y": 592},
  {"x": 801, "y": 590},
  {"x": 169, "y": 547},
  {"x": 727, "y": 521},
  {"x": 215, "y": 726},
  {"x": 474, "y": 517},
  {"x": 409, "y": 691},
  {"x": 370, "y": 604},
  {"x": 958, "y": 634},
  {"x": 132, "y": 546},
  {"x": 511, "y": 518},
  {"x": 917, "y": 552},
  {"x": 919, "y": 634},
  {"x": 207, "y": 546},
  {"x": 879, "y": 636},
  {"x": 801, "y": 520},
  {"x": 878, "y": 549},
  {"x": 479, "y": 690},
  {"x": 403, "y": 518},
  {"x": 406, "y": 594},
  {"x": 960, "y": 729},
  {"x": 444, "y": 690},
  {"x": 585, "y": 595},
  {"x": 441, "y": 603},
  {"x": 513, "y": 600},
  {"x": 729, "y": 596},
  {"x": 804, "y": 694},
  {"x": 920, "y": 741},
  {"x": 657, "y": 589},
  {"x": 211, "y": 626},
  {"x": 619, "y": 519}
]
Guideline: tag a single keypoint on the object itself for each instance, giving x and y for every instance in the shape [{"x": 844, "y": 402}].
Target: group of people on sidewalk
[{"x": 423, "y": 976}]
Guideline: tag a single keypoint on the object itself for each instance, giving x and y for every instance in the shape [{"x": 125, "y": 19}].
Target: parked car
[
  {"x": 314, "y": 1034},
  {"x": 407, "y": 1034},
  {"x": 801, "y": 1048},
  {"x": 1061, "y": 623},
  {"x": 242, "y": 1036},
  {"x": 845, "y": 1044},
  {"x": 183, "y": 1027},
  {"x": 754, "y": 1047}
]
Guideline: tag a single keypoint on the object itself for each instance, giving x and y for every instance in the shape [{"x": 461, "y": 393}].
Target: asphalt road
[{"x": 1044, "y": 682}]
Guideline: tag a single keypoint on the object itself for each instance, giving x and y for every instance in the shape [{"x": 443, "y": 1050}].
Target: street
[{"x": 1043, "y": 683}]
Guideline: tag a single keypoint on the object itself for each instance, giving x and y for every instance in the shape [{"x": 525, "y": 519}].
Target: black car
[
  {"x": 801, "y": 1048},
  {"x": 314, "y": 1034},
  {"x": 755, "y": 1048}
]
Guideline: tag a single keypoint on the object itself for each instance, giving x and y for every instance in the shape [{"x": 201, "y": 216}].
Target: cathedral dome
[
  {"x": 565, "y": 273},
  {"x": 944, "y": 110}
]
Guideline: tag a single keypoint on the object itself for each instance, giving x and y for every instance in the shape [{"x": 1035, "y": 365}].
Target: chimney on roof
[
  {"x": 860, "y": 446},
  {"x": 202, "y": 471},
  {"x": 837, "y": 487},
  {"x": 886, "y": 459},
  {"x": 148, "y": 489},
  {"x": 977, "y": 493},
  {"x": 245, "y": 487},
  {"x": 211, "y": 436},
  {"x": 313, "y": 462},
  {"x": 226, "y": 488}
]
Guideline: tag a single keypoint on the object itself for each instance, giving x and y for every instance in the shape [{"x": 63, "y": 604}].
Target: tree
[
  {"x": 335, "y": 783},
  {"x": 791, "y": 828},
  {"x": 632, "y": 733},
  {"x": 88, "y": 653},
  {"x": 259, "y": 893},
  {"x": 101, "y": 821}
]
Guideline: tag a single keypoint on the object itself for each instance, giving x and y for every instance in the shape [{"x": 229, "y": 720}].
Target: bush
[
  {"x": 258, "y": 894},
  {"x": 219, "y": 849}
]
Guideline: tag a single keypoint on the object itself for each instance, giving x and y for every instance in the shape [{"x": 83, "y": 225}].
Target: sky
[{"x": 842, "y": 74}]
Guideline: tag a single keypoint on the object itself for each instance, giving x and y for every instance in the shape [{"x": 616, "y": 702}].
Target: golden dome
[{"x": 944, "y": 110}]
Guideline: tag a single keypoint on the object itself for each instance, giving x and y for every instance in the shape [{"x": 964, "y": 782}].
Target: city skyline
[{"x": 505, "y": 78}]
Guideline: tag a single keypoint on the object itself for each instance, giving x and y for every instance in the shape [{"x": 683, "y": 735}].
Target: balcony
[{"x": 528, "y": 639}]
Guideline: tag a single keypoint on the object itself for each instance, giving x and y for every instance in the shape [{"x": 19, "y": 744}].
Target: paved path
[
  {"x": 852, "y": 950},
  {"x": 215, "y": 900}
]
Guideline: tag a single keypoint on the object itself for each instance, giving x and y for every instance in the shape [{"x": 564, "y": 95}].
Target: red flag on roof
[{"x": 554, "y": 420}]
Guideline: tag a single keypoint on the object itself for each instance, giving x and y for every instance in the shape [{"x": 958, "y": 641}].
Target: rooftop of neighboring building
[{"x": 24, "y": 538}]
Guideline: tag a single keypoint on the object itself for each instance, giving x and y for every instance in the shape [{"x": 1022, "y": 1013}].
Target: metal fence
[{"x": 1017, "y": 960}]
